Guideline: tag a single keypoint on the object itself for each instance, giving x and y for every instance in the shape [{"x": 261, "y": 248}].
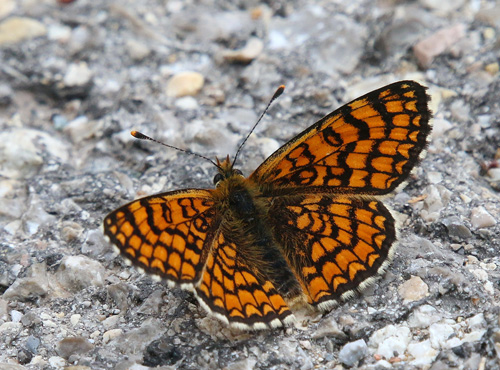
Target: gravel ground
[{"x": 76, "y": 78}]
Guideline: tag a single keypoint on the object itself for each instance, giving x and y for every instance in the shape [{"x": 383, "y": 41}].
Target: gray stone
[
  {"x": 397, "y": 37},
  {"x": 456, "y": 228},
  {"x": 30, "y": 320},
  {"x": 32, "y": 344},
  {"x": 79, "y": 272},
  {"x": 119, "y": 294},
  {"x": 22, "y": 151},
  {"x": 35, "y": 284},
  {"x": 136, "y": 340},
  {"x": 490, "y": 15},
  {"x": 5, "y": 94},
  {"x": 153, "y": 303},
  {"x": 353, "y": 352},
  {"x": 328, "y": 328}
]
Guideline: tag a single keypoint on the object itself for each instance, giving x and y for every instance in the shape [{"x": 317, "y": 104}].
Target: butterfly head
[{"x": 226, "y": 171}]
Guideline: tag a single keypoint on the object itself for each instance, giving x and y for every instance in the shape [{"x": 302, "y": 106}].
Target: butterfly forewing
[
  {"x": 166, "y": 234},
  {"x": 368, "y": 146}
]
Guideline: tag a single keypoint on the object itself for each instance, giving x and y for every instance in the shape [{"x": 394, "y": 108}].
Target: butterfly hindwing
[
  {"x": 335, "y": 245},
  {"x": 236, "y": 292}
]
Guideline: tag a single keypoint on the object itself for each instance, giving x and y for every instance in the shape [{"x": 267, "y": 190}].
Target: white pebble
[
  {"x": 480, "y": 218},
  {"x": 75, "y": 319},
  {"x": 16, "y": 315},
  {"x": 423, "y": 317},
  {"x": 390, "y": 340},
  {"x": 439, "y": 333},
  {"x": 57, "y": 362},
  {"x": 423, "y": 353},
  {"x": 111, "y": 334}
]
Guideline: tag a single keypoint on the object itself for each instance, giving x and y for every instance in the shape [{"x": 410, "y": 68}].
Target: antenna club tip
[
  {"x": 139, "y": 135},
  {"x": 278, "y": 92}
]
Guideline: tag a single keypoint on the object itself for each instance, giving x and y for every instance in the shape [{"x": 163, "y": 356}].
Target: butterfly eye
[
  {"x": 238, "y": 172},
  {"x": 218, "y": 178}
]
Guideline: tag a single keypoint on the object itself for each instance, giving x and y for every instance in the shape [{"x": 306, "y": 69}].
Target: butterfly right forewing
[{"x": 368, "y": 146}]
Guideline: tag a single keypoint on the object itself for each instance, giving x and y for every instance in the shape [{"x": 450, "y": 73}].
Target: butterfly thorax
[{"x": 237, "y": 198}]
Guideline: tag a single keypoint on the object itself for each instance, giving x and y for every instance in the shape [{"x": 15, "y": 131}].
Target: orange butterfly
[{"x": 306, "y": 224}]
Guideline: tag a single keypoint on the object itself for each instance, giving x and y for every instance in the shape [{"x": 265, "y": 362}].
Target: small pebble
[
  {"x": 111, "y": 334},
  {"x": 79, "y": 272},
  {"x": 57, "y": 362},
  {"x": 73, "y": 345},
  {"x": 249, "y": 52},
  {"x": 184, "y": 84},
  {"x": 456, "y": 228},
  {"x": 16, "y": 316},
  {"x": 413, "y": 289},
  {"x": 353, "y": 352},
  {"x": 423, "y": 317},
  {"x": 32, "y": 344},
  {"x": 17, "y": 29},
  {"x": 423, "y": 353},
  {"x": 75, "y": 319},
  {"x": 480, "y": 218},
  {"x": 77, "y": 74},
  {"x": 390, "y": 340},
  {"x": 427, "y": 49},
  {"x": 137, "y": 50},
  {"x": 186, "y": 103},
  {"x": 439, "y": 333},
  {"x": 6, "y": 7}
]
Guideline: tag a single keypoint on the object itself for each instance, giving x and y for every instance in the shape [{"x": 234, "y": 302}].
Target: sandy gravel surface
[{"x": 76, "y": 78}]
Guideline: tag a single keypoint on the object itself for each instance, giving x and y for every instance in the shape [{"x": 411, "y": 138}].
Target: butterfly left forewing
[{"x": 167, "y": 235}]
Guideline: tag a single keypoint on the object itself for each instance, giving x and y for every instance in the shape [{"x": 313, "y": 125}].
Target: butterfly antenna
[
  {"x": 141, "y": 136},
  {"x": 276, "y": 95}
]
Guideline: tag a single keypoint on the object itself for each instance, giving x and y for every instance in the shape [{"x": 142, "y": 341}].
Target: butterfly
[{"x": 305, "y": 225}]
